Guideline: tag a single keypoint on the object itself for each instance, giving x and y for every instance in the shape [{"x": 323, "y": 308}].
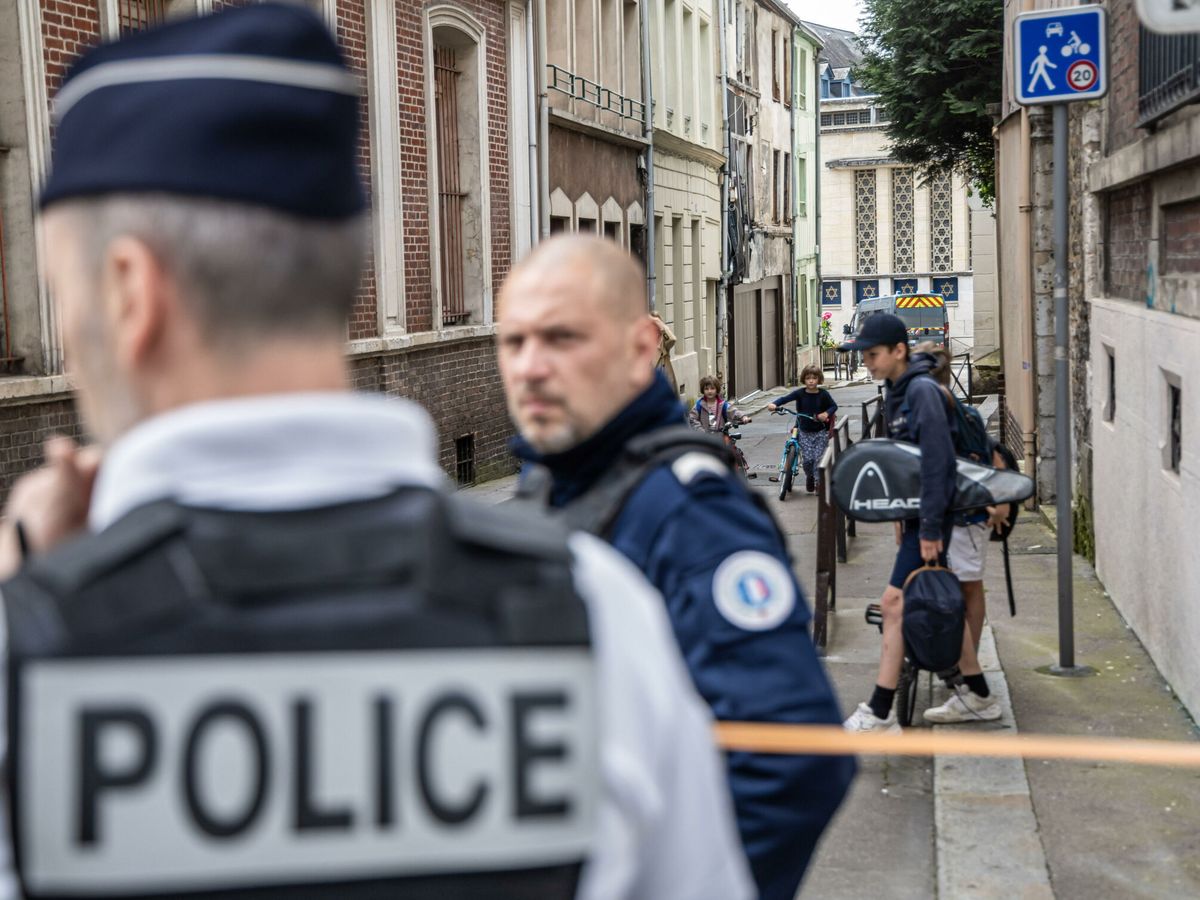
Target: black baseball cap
[{"x": 881, "y": 329}]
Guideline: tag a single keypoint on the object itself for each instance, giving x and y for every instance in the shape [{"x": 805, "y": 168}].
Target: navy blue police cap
[{"x": 254, "y": 105}]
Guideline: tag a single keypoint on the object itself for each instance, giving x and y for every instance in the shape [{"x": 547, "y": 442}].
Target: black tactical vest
[
  {"x": 390, "y": 698},
  {"x": 598, "y": 509}
]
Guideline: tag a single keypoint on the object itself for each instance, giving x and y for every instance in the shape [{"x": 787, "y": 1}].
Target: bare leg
[
  {"x": 891, "y": 654},
  {"x": 976, "y": 608}
]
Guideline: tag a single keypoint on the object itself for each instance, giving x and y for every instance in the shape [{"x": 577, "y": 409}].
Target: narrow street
[{"x": 951, "y": 828}]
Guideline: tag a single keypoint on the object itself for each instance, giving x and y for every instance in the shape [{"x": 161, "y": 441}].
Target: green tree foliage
[{"x": 936, "y": 65}]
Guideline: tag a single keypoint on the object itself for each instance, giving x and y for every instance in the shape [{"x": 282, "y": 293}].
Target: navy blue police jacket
[
  {"x": 741, "y": 621},
  {"x": 916, "y": 411}
]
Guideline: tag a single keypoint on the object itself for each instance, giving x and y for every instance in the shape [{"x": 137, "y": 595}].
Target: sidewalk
[{"x": 953, "y": 828}]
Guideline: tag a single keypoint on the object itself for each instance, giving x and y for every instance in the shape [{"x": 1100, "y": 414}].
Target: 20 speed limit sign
[{"x": 1082, "y": 75}]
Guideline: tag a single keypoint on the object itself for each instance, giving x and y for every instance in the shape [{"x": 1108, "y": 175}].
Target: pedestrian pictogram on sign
[{"x": 1060, "y": 55}]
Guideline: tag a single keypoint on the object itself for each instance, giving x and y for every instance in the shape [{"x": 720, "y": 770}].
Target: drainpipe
[
  {"x": 648, "y": 131},
  {"x": 544, "y": 121},
  {"x": 817, "y": 196},
  {"x": 792, "y": 200},
  {"x": 726, "y": 254},
  {"x": 535, "y": 173}
]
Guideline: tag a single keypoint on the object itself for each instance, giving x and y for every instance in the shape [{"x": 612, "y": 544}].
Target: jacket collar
[{"x": 575, "y": 470}]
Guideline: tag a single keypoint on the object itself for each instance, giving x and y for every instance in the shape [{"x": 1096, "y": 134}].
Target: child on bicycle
[
  {"x": 816, "y": 407},
  {"x": 711, "y": 414}
]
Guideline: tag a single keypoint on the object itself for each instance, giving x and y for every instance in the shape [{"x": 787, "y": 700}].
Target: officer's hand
[
  {"x": 50, "y": 503},
  {"x": 930, "y": 550},
  {"x": 771, "y": 407},
  {"x": 745, "y": 420}
]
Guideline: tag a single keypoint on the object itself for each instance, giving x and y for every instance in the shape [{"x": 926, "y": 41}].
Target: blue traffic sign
[{"x": 1060, "y": 55}]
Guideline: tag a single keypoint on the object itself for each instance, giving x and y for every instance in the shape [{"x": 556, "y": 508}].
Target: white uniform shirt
[{"x": 665, "y": 822}]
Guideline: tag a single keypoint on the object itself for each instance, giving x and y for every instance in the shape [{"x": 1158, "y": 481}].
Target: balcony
[
  {"x": 593, "y": 100},
  {"x": 1168, "y": 73}
]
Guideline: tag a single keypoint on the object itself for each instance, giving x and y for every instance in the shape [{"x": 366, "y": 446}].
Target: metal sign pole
[{"x": 1062, "y": 406}]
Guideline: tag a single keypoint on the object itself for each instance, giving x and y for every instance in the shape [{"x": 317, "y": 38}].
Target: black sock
[
  {"x": 881, "y": 701},
  {"x": 977, "y": 685}
]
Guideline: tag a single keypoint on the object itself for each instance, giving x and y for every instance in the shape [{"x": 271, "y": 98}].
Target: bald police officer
[
  {"x": 607, "y": 438},
  {"x": 254, "y": 649}
]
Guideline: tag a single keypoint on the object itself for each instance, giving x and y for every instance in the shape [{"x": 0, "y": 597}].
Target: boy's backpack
[
  {"x": 932, "y": 622},
  {"x": 971, "y": 440}
]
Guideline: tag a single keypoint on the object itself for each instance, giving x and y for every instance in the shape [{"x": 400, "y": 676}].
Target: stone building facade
[
  {"x": 885, "y": 228},
  {"x": 422, "y": 325},
  {"x": 1134, "y": 300}
]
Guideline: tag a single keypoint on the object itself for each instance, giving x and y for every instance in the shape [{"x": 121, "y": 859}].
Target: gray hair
[{"x": 246, "y": 272}]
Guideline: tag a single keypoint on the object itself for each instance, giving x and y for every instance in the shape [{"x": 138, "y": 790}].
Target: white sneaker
[
  {"x": 964, "y": 706},
  {"x": 862, "y": 719}
]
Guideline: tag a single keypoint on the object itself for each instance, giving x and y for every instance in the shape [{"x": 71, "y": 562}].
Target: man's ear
[
  {"x": 645, "y": 336},
  {"x": 136, "y": 299}
]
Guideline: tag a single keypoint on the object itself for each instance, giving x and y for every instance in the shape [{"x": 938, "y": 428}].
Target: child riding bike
[
  {"x": 816, "y": 407},
  {"x": 712, "y": 414}
]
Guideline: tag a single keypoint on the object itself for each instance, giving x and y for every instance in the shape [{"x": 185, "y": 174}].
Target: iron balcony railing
[
  {"x": 1168, "y": 73},
  {"x": 591, "y": 92}
]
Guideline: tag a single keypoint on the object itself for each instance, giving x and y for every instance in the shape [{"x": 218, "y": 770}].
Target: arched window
[{"x": 458, "y": 153}]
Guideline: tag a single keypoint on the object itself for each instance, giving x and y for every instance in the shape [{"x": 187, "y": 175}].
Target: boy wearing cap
[{"x": 915, "y": 411}]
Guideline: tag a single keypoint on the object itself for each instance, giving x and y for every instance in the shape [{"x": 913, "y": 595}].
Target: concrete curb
[{"x": 986, "y": 833}]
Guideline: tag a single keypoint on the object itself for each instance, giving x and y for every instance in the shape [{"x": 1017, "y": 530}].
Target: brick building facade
[{"x": 422, "y": 325}]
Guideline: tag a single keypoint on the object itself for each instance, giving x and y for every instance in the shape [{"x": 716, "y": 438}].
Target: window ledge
[
  {"x": 34, "y": 387},
  {"x": 393, "y": 343}
]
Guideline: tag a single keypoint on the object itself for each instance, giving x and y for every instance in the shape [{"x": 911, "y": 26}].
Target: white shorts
[{"x": 968, "y": 551}]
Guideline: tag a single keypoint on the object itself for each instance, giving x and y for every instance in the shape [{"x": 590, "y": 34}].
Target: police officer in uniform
[
  {"x": 254, "y": 649},
  {"x": 605, "y": 444}
]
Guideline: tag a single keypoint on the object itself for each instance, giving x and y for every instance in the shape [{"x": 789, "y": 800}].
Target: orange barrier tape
[{"x": 833, "y": 740}]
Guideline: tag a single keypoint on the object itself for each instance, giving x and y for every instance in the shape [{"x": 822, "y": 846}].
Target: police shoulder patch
[
  {"x": 691, "y": 466},
  {"x": 754, "y": 590}
]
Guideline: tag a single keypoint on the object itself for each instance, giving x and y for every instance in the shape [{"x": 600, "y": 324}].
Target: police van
[{"x": 925, "y": 315}]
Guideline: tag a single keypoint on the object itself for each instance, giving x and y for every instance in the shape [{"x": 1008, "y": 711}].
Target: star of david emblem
[
  {"x": 831, "y": 292},
  {"x": 948, "y": 289},
  {"x": 869, "y": 291},
  {"x": 907, "y": 287}
]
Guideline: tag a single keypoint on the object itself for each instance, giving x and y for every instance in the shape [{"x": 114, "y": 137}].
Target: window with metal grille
[
  {"x": 864, "y": 220},
  {"x": 464, "y": 459},
  {"x": 903, "y": 244},
  {"x": 839, "y": 118},
  {"x": 881, "y": 115},
  {"x": 941, "y": 223},
  {"x": 450, "y": 192},
  {"x": 826, "y": 118},
  {"x": 1168, "y": 72},
  {"x": 138, "y": 15}
]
